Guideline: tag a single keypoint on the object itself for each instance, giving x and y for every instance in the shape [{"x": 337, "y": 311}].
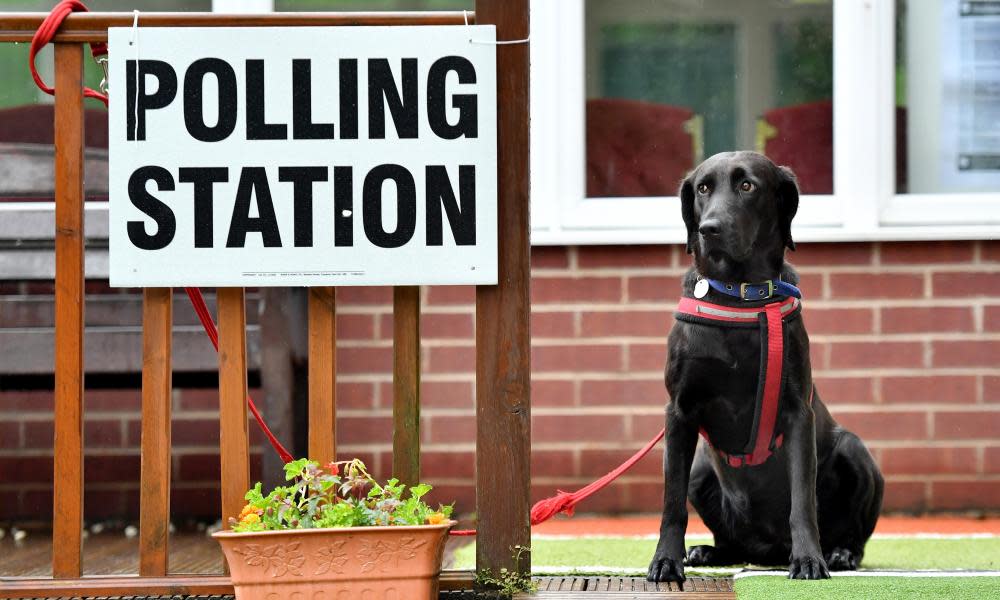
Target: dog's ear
[
  {"x": 788, "y": 203},
  {"x": 686, "y": 194}
]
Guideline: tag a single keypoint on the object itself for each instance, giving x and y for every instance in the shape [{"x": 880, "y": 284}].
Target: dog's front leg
[
  {"x": 807, "y": 557},
  {"x": 682, "y": 439}
]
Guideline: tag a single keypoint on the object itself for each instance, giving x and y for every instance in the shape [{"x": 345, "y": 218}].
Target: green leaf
[{"x": 418, "y": 491}]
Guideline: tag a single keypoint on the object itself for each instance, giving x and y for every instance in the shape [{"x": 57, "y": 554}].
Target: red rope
[{"x": 543, "y": 510}]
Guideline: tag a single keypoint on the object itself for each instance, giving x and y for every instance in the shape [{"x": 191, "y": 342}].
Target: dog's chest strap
[{"x": 770, "y": 318}]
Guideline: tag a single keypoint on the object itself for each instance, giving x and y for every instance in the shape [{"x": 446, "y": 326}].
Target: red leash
[{"x": 543, "y": 510}]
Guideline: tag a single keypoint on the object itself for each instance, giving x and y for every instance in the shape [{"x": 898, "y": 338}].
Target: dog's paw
[
  {"x": 702, "y": 556},
  {"x": 808, "y": 567},
  {"x": 666, "y": 569},
  {"x": 842, "y": 559}
]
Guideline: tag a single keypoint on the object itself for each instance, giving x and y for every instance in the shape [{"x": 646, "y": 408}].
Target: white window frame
[{"x": 864, "y": 205}]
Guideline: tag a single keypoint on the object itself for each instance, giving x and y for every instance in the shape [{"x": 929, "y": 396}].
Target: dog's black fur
[{"x": 815, "y": 501}]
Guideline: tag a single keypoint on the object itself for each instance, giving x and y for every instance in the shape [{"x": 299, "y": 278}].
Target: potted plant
[{"x": 335, "y": 534}]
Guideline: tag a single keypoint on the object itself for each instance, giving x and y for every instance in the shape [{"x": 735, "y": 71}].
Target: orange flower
[
  {"x": 332, "y": 468},
  {"x": 247, "y": 510},
  {"x": 435, "y": 518},
  {"x": 250, "y": 518}
]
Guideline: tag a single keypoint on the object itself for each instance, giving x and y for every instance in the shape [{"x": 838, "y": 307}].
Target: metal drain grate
[{"x": 631, "y": 584}]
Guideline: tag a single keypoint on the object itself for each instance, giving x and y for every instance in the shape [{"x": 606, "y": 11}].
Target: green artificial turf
[
  {"x": 868, "y": 588},
  {"x": 624, "y": 553}
]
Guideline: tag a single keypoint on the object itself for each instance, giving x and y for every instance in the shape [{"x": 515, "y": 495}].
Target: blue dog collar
[{"x": 756, "y": 291}]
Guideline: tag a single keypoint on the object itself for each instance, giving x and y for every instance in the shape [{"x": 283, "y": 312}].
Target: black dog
[{"x": 815, "y": 497}]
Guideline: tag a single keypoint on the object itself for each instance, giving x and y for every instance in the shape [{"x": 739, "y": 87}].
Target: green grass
[
  {"x": 868, "y": 588},
  {"x": 623, "y": 553}
]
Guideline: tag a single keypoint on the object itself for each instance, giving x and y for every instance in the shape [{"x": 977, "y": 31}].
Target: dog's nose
[{"x": 710, "y": 227}]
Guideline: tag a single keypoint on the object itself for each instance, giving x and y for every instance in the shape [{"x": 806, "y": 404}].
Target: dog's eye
[
  {"x": 746, "y": 186},
  {"x": 702, "y": 188}
]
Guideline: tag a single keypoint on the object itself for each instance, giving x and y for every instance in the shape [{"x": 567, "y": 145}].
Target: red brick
[
  {"x": 931, "y": 389},
  {"x": 446, "y": 325},
  {"x": 451, "y": 359},
  {"x": 576, "y": 358},
  {"x": 552, "y": 393},
  {"x": 552, "y": 463},
  {"x": 596, "y": 463},
  {"x": 654, "y": 289},
  {"x": 966, "y": 425},
  {"x": 609, "y": 500},
  {"x": 549, "y": 257},
  {"x": 10, "y": 435},
  {"x": 991, "y": 318},
  {"x": 838, "y": 321},
  {"x": 38, "y": 434},
  {"x": 451, "y": 429},
  {"x": 10, "y": 288},
  {"x": 352, "y": 326},
  {"x": 26, "y": 401},
  {"x": 819, "y": 354},
  {"x": 349, "y": 295},
  {"x": 201, "y": 502},
  {"x": 647, "y": 357},
  {"x": 444, "y": 394},
  {"x": 645, "y": 427},
  {"x": 552, "y": 325},
  {"x": 845, "y": 390},
  {"x": 828, "y": 253},
  {"x": 26, "y": 469},
  {"x": 564, "y": 290},
  {"x": 364, "y": 359},
  {"x": 462, "y": 496},
  {"x": 111, "y": 469},
  {"x": 623, "y": 257},
  {"x": 355, "y": 395},
  {"x": 876, "y": 285},
  {"x": 991, "y": 459},
  {"x": 103, "y": 504},
  {"x": 447, "y": 464},
  {"x": 908, "y": 496},
  {"x": 967, "y": 494},
  {"x": 198, "y": 467},
  {"x": 624, "y": 393},
  {"x": 990, "y": 250},
  {"x": 991, "y": 389},
  {"x": 918, "y": 460},
  {"x": 41, "y": 288},
  {"x": 102, "y": 434},
  {"x": 871, "y": 426},
  {"x": 38, "y": 502},
  {"x": 112, "y": 400},
  {"x": 919, "y": 253},
  {"x": 577, "y": 428},
  {"x": 968, "y": 353},
  {"x": 198, "y": 399},
  {"x": 451, "y": 295},
  {"x": 966, "y": 284},
  {"x": 873, "y": 355},
  {"x": 630, "y": 323},
  {"x": 10, "y": 506},
  {"x": 811, "y": 285},
  {"x": 920, "y": 319},
  {"x": 193, "y": 432},
  {"x": 365, "y": 430}
]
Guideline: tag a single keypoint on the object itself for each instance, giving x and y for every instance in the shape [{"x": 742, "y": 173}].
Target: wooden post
[
  {"x": 406, "y": 384},
  {"x": 154, "y": 480},
  {"x": 68, "y": 444},
  {"x": 503, "y": 343},
  {"x": 233, "y": 438},
  {"x": 322, "y": 374}
]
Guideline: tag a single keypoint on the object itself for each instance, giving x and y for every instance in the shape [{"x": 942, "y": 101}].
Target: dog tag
[{"x": 701, "y": 288}]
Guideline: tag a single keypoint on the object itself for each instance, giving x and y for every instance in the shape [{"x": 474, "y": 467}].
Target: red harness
[{"x": 770, "y": 318}]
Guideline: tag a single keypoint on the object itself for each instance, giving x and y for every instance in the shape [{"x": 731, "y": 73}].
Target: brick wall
[{"x": 906, "y": 352}]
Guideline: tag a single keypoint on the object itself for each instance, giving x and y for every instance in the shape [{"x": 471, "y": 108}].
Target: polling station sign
[{"x": 302, "y": 156}]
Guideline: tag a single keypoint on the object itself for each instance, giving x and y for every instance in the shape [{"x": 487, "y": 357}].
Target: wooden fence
[{"x": 502, "y": 337}]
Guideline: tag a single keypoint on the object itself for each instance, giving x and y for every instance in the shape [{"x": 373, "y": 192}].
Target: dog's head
[{"x": 738, "y": 209}]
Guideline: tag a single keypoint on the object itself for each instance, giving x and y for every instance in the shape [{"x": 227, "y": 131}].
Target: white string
[
  {"x": 465, "y": 15},
  {"x": 134, "y": 40}
]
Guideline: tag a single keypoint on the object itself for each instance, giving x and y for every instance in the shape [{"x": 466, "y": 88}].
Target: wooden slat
[
  {"x": 322, "y": 374},
  {"x": 503, "y": 345},
  {"x": 68, "y": 444},
  {"x": 93, "y": 27},
  {"x": 233, "y": 439},
  {"x": 406, "y": 384},
  {"x": 154, "y": 482}
]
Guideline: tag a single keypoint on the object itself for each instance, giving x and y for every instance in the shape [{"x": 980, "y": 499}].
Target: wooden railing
[{"x": 502, "y": 337}]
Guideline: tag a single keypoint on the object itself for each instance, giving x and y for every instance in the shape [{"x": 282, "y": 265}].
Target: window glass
[
  {"x": 674, "y": 81},
  {"x": 947, "y": 96}
]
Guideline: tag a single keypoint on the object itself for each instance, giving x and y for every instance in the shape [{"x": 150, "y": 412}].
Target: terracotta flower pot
[{"x": 365, "y": 563}]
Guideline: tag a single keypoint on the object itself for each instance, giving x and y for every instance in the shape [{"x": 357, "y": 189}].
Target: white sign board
[{"x": 303, "y": 156}]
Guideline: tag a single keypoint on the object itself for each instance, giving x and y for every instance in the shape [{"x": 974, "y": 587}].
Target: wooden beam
[
  {"x": 68, "y": 444},
  {"x": 323, "y": 374},
  {"x": 154, "y": 481},
  {"x": 503, "y": 343},
  {"x": 406, "y": 384},
  {"x": 233, "y": 439}
]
